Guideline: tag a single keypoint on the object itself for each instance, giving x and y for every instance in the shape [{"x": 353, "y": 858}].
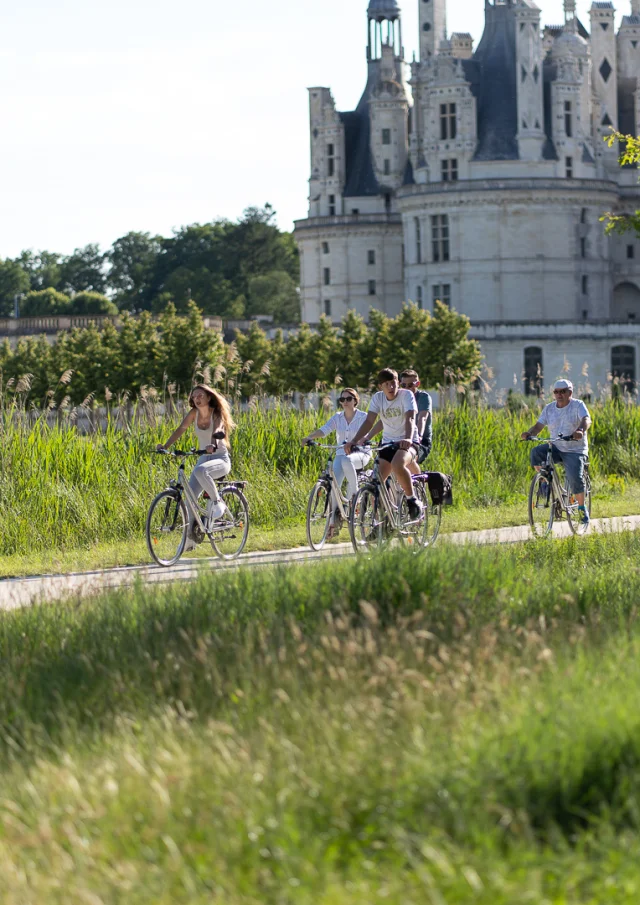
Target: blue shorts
[{"x": 573, "y": 465}]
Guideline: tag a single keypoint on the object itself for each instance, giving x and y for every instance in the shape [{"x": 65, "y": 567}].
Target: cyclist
[
  {"x": 345, "y": 423},
  {"x": 409, "y": 380},
  {"x": 210, "y": 417},
  {"x": 566, "y": 417},
  {"x": 396, "y": 408}
]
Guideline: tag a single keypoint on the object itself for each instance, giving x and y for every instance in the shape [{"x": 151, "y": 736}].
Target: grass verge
[{"x": 460, "y": 727}]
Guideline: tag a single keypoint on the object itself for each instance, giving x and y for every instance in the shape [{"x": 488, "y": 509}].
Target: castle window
[
  {"x": 568, "y": 167},
  {"x": 605, "y": 70},
  {"x": 631, "y": 252},
  {"x": 448, "y": 123},
  {"x": 568, "y": 119},
  {"x": 387, "y": 167},
  {"x": 585, "y": 285},
  {"x": 623, "y": 366},
  {"x": 325, "y": 248},
  {"x": 372, "y": 287},
  {"x": 327, "y": 276},
  {"x": 419, "y": 297},
  {"x": 449, "y": 170},
  {"x": 583, "y": 247},
  {"x": 371, "y": 256},
  {"x": 327, "y": 307},
  {"x": 533, "y": 380},
  {"x": 332, "y": 205},
  {"x": 416, "y": 223},
  {"x": 440, "y": 237},
  {"x": 583, "y": 215},
  {"x": 441, "y": 292},
  {"x": 331, "y": 161},
  {"x": 386, "y": 136}
]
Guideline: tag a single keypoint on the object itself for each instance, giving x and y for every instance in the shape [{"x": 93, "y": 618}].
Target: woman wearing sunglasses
[{"x": 346, "y": 423}]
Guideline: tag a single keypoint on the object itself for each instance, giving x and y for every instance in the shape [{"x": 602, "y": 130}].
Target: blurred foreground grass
[{"x": 460, "y": 727}]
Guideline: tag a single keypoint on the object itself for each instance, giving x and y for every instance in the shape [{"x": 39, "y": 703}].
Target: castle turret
[
  {"x": 327, "y": 154},
  {"x": 530, "y": 135},
  {"x": 605, "y": 69},
  {"x": 433, "y": 27}
]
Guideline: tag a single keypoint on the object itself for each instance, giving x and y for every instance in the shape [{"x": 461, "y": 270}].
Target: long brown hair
[{"x": 218, "y": 404}]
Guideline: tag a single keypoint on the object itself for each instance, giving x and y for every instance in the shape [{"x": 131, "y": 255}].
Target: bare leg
[{"x": 400, "y": 465}]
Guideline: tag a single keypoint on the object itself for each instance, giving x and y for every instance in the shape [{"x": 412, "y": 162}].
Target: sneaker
[
  {"x": 584, "y": 515},
  {"x": 215, "y": 510},
  {"x": 415, "y": 507}
]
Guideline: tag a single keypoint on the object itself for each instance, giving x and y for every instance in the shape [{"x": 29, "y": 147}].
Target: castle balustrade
[
  {"x": 35, "y": 326},
  {"x": 567, "y": 331},
  {"x": 349, "y": 220}
]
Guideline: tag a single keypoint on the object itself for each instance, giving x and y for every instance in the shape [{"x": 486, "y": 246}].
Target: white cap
[{"x": 563, "y": 384}]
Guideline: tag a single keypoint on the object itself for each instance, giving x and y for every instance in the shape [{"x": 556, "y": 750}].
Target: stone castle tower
[{"x": 482, "y": 180}]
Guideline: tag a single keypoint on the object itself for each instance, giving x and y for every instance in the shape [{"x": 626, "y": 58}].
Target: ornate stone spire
[{"x": 569, "y": 11}]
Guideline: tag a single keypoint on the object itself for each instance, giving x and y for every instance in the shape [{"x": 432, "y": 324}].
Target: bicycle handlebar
[
  {"x": 568, "y": 439},
  {"x": 181, "y": 453}
]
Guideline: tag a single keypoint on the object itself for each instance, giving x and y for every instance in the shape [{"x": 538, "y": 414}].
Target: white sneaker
[{"x": 215, "y": 511}]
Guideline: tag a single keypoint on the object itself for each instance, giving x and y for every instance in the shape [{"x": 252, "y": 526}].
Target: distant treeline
[
  {"x": 175, "y": 350},
  {"x": 229, "y": 269}
]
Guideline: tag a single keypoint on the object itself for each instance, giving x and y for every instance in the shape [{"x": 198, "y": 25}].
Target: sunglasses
[
  {"x": 347, "y": 399},
  {"x": 407, "y": 386},
  {"x": 559, "y": 392}
]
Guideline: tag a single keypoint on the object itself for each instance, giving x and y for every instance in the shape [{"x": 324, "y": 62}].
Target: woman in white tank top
[{"x": 210, "y": 414}]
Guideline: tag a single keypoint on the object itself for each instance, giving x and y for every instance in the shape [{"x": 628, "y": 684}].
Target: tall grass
[
  {"x": 458, "y": 728},
  {"x": 60, "y": 489}
]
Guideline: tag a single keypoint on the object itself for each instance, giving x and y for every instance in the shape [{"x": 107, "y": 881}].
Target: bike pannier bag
[{"x": 440, "y": 488}]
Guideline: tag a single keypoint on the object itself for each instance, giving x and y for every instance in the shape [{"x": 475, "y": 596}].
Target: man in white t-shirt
[
  {"x": 566, "y": 417},
  {"x": 397, "y": 410}
]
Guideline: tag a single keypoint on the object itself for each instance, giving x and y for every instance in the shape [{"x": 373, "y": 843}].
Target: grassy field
[
  {"x": 457, "y": 728},
  {"x": 69, "y": 501}
]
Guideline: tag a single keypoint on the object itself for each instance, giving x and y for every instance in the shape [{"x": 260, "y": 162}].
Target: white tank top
[{"x": 205, "y": 438}]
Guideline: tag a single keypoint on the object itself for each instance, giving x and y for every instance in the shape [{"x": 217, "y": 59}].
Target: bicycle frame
[
  {"x": 561, "y": 493},
  {"x": 392, "y": 509},
  {"x": 343, "y": 502},
  {"x": 191, "y": 500}
]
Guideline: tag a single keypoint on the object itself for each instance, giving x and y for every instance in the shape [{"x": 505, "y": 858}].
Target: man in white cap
[{"x": 566, "y": 417}]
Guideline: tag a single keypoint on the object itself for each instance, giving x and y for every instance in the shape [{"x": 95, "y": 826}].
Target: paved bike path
[{"x": 18, "y": 592}]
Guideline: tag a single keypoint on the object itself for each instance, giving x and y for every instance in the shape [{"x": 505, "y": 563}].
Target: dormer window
[
  {"x": 386, "y": 136},
  {"x": 448, "y": 122}
]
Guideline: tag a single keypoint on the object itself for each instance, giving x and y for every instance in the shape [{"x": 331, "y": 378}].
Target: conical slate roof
[{"x": 382, "y": 10}]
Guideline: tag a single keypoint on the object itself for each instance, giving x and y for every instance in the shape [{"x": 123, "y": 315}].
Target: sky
[{"x": 141, "y": 115}]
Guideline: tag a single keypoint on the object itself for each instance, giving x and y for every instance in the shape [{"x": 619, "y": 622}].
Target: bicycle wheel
[
  {"x": 166, "y": 528},
  {"x": 367, "y": 520},
  {"x": 573, "y": 514},
  {"x": 541, "y": 506},
  {"x": 229, "y": 532},
  {"x": 429, "y": 528},
  {"x": 319, "y": 515}
]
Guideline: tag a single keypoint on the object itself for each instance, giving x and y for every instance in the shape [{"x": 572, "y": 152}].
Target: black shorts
[
  {"x": 423, "y": 451},
  {"x": 389, "y": 452}
]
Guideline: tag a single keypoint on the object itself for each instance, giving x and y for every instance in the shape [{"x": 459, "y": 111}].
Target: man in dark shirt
[{"x": 409, "y": 380}]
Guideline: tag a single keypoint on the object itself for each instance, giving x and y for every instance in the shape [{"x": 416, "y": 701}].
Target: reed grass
[{"x": 61, "y": 490}]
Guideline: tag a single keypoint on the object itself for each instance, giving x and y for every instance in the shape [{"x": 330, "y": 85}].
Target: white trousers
[
  {"x": 209, "y": 470},
  {"x": 345, "y": 467}
]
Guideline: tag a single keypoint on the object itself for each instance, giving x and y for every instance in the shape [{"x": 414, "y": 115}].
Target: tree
[
  {"x": 13, "y": 282},
  {"x": 132, "y": 260},
  {"x": 623, "y": 223},
  {"x": 92, "y": 303},
  {"x": 255, "y": 352},
  {"x": 83, "y": 270},
  {"x": 351, "y": 360},
  {"x": 400, "y": 338},
  {"x": 277, "y": 294},
  {"x": 444, "y": 353},
  {"x": 42, "y": 268},
  {"x": 185, "y": 346},
  {"x": 45, "y": 303}
]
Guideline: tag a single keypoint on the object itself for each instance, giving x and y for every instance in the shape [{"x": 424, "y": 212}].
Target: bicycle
[
  {"x": 380, "y": 513},
  {"x": 549, "y": 498},
  {"x": 170, "y": 512},
  {"x": 320, "y": 508}
]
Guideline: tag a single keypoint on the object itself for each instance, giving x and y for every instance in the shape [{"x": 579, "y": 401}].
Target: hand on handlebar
[
  {"x": 306, "y": 441},
  {"x": 161, "y": 448},
  {"x": 578, "y": 435}
]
